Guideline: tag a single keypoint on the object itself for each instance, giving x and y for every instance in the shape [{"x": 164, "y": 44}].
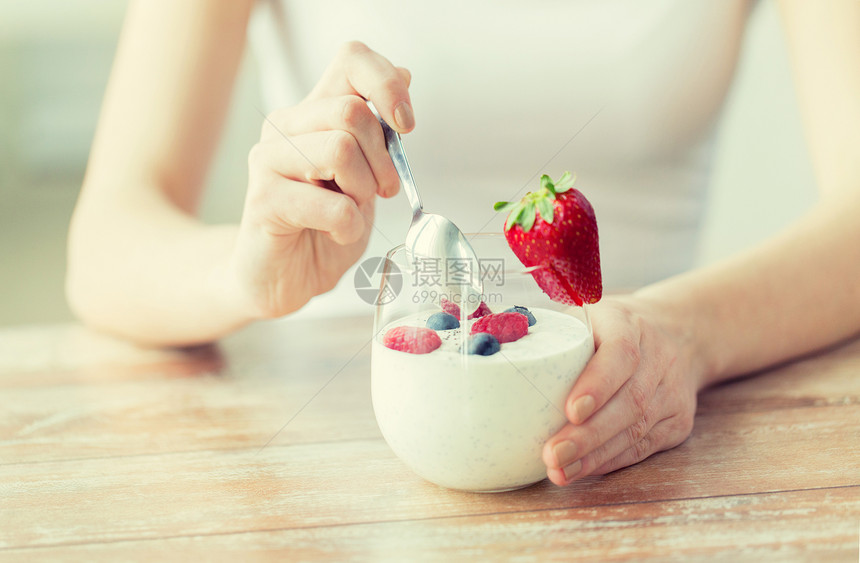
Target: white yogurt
[{"x": 478, "y": 423}]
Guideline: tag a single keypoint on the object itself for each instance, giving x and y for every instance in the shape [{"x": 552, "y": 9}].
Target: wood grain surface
[{"x": 265, "y": 447}]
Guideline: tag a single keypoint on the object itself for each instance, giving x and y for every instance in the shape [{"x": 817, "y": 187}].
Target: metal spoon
[{"x": 434, "y": 237}]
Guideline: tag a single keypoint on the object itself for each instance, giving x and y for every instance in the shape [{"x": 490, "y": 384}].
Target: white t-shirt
[{"x": 623, "y": 93}]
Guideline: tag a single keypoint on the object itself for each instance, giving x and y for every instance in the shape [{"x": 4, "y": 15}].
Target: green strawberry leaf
[
  {"x": 546, "y": 183},
  {"x": 525, "y": 211},
  {"x": 564, "y": 183},
  {"x": 546, "y": 209},
  {"x": 514, "y": 216},
  {"x": 528, "y": 218}
]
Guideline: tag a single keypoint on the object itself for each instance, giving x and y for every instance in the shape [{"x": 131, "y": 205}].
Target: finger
[
  {"x": 615, "y": 360},
  {"x": 317, "y": 157},
  {"x": 359, "y": 70},
  {"x": 665, "y": 435},
  {"x": 627, "y": 454},
  {"x": 631, "y": 412},
  {"x": 293, "y": 206},
  {"x": 635, "y": 435},
  {"x": 620, "y": 449},
  {"x": 405, "y": 75},
  {"x": 347, "y": 113}
]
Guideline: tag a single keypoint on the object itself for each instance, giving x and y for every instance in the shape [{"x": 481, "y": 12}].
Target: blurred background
[{"x": 55, "y": 56}]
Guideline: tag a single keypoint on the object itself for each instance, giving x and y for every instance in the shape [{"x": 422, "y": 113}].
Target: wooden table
[{"x": 265, "y": 447}]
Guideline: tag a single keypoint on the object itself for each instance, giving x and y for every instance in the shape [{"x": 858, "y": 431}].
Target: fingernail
[
  {"x": 565, "y": 452},
  {"x": 583, "y": 407},
  {"x": 572, "y": 470},
  {"x": 403, "y": 116}
]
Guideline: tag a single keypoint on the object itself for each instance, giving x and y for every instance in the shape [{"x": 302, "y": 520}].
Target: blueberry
[
  {"x": 522, "y": 311},
  {"x": 483, "y": 344},
  {"x": 442, "y": 321}
]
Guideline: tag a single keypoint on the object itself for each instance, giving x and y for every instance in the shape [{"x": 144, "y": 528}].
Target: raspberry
[
  {"x": 453, "y": 309},
  {"x": 506, "y": 327},
  {"x": 412, "y": 339},
  {"x": 482, "y": 311},
  {"x": 524, "y": 311},
  {"x": 450, "y": 307}
]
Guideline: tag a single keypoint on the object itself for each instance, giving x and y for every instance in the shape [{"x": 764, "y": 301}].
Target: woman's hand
[
  {"x": 636, "y": 396},
  {"x": 313, "y": 179}
]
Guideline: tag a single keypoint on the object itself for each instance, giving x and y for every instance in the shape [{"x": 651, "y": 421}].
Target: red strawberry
[
  {"x": 506, "y": 327},
  {"x": 412, "y": 339},
  {"x": 561, "y": 243}
]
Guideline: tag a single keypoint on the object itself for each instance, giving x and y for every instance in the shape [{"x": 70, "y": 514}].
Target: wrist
[
  {"x": 225, "y": 290},
  {"x": 684, "y": 324},
  {"x": 251, "y": 285}
]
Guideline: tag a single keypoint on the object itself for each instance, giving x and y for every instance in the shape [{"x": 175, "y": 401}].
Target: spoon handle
[{"x": 398, "y": 157}]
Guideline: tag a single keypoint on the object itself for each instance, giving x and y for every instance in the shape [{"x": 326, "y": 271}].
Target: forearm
[
  {"x": 792, "y": 295},
  {"x": 139, "y": 263},
  {"x": 142, "y": 269}
]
